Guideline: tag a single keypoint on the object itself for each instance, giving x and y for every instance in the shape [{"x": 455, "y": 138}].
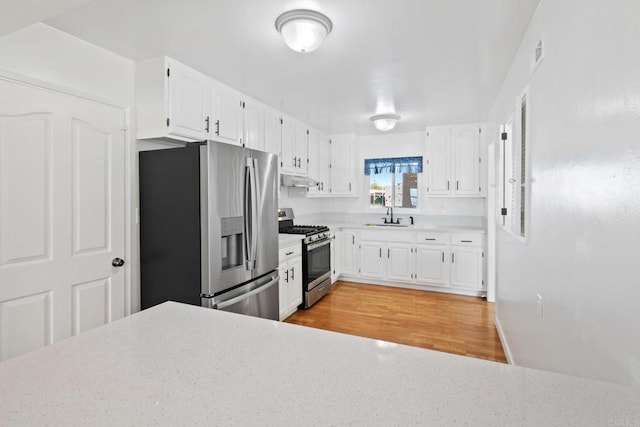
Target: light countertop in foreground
[{"x": 176, "y": 364}]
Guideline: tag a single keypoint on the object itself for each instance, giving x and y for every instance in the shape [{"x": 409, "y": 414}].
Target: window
[
  {"x": 393, "y": 181},
  {"x": 512, "y": 171}
]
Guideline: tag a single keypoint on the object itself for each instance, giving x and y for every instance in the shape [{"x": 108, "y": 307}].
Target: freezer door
[
  {"x": 259, "y": 298},
  {"x": 240, "y": 237}
]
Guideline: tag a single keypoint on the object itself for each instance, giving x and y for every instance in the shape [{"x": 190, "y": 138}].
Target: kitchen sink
[{"x": 386, "y": 225}]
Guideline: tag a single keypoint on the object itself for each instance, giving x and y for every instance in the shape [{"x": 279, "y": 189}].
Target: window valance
[{"x": 394, "y": 165}]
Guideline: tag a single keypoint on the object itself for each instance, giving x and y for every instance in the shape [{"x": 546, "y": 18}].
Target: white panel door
[
  {"x": 343, "y": 167},
  {"x": 439, "y": 161},
  {"x": 61, "y": 216},
  {"x": 348, "y": 253},
  {"x": 433, "y": 264},
  {"x": 466, "y": 145}
]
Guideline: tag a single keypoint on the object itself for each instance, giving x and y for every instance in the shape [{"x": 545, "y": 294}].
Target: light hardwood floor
[{"x": 437, "y": 321}]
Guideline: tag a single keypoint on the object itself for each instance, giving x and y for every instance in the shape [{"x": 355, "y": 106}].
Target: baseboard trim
[
  {"x": 503, "y": 341},
  {"x": 443, "y": 289}
]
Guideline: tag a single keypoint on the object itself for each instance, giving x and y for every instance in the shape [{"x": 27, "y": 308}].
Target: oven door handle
[{"x": 316, "y": 245}]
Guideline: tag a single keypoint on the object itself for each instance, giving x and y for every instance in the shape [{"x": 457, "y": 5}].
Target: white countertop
[
  {"x": 176, "y": 364},
  {"x": 287, "y": 239},
  {"x": 419, "y": 227}
]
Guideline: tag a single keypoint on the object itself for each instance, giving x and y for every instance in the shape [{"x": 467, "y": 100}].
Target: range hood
[{"x": 287, "y": 180}]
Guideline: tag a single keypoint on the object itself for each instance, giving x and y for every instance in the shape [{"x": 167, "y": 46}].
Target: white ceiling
[
  {"x": 16, "y": 14},
  {"x": 433, "y": 61}
]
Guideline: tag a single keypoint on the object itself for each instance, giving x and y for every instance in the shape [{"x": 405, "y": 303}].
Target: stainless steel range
[{"x": 316, "y": 256}]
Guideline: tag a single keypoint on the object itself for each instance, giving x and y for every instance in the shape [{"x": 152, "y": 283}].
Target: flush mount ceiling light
[
  {"x": 385, "y": 122},
  {"x": 303, "y": 30}
]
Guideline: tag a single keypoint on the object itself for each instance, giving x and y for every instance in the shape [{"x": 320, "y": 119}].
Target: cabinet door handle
[
  {"x": 388, "y": 253},
  {"x": 430, "y": 239},
  {"x": 447, "y": 185},
  {"x": 289, "y": 253},
  {"x": 457, "y": 185},
  {"x": 286, "y": 279},
  {"x": 442, "y": 256},
  {"x": 206, "y": 127},
  {"x": 380, "y": 252},
  {"x": 453, "y": 257},
  {"x": 218, "y": 127},
  {"x": 298, "y": 161},
  {"x": 294, "y": 161},
  {"x": 292, "y": 271},
  {"x": 466, "y": 241},
  {"x": 349, "y": 186},
  {"x": 353, "y": 240}
]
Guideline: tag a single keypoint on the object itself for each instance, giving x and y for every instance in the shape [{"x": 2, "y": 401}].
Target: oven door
[{"x": 317, "y": 263}]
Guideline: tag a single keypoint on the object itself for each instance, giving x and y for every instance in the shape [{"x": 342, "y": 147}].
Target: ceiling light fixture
[
  {"x": 303, "y": 30},
  {"x": 385, "y": 122}
]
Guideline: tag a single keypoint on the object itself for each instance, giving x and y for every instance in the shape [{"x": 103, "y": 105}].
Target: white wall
[
  {"x": 46, "y": 54},
  {"x": 50, "y": 55},
  {"x": 584, "y": 244}
]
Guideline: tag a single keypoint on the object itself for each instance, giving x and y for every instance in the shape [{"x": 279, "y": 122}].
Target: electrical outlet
[{"x": 540, "y": 306}]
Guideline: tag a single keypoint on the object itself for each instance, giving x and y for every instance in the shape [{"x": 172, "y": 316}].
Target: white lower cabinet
[
  {"x": 400, "y": 262},
  {"x": 372, "y": 262},
  {"x": 438, "y": 259},
  {"x": 466, "y": 267},
  {"x": 347, "y": 255},
  {"x": 432, "y": 264},
  {"x": 290, "y": 285}
]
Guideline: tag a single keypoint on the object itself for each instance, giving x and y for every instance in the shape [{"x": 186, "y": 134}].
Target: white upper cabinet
[
  {"x": 253, "y": 120},
  {"x": 324, "y": 165},
  {"x": 343, "y": 166},
  {"x": 319, "y": 163},
  {"x": 439, "y": 161},
  {"x": 227, "y": 125},
  {"x": 294, "y": 147},
  {"x": 172, "y": 100},
  {"x": 466, "y": 149},
  {"x": 453, "y": 161},
  {"x": 272, "y": 131}
]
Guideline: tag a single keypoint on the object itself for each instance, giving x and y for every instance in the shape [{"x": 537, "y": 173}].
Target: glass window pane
[{"x": 406, "y": 187}]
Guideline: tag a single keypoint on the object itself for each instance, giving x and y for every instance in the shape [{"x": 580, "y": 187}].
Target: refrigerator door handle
[
  {"x": 227, "y": 303},
  {"x": 250, "y": 214}
]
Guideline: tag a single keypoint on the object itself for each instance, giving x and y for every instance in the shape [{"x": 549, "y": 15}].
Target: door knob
[{"x": 117, "y": 262}]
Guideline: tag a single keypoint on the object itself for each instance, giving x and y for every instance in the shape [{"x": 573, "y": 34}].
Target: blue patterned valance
[{"x": 396, "y": 165}]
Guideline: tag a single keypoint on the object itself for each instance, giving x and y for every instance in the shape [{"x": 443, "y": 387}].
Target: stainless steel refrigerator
[{"x": 208, "y": 228}]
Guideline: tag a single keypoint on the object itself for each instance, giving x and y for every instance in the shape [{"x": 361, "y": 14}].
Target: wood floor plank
[{"x": 437, "y": 321}]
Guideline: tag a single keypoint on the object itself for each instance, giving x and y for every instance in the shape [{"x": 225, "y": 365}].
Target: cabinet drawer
[
  {"x": 471, "y": 239},
  {"x": 400, "y": 236},
  {"x": 432, "y": 238},
  {"x": 290, "y": 251}
]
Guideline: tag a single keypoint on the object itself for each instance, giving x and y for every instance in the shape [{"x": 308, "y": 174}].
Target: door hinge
[
  {"x": 168, "y": 121},
  {"x": 168, "y": 72},
  {"x": 503, "y": 136},
  {"x": 503, "y": 211}
]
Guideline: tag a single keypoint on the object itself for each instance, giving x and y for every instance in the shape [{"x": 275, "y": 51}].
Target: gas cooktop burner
[{"x": 307, "y": 230}]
